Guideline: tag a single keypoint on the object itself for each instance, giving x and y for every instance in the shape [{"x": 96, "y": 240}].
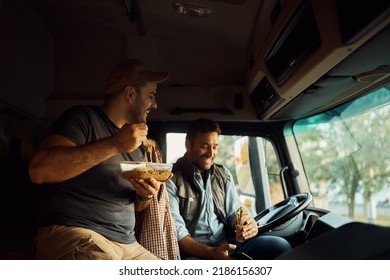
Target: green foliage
[
  {"x": 226, "y": 153},
  {"x": 349, "y": 155}
]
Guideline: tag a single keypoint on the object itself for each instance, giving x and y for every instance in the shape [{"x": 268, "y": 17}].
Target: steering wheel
[{"x": 283, "y": 211}]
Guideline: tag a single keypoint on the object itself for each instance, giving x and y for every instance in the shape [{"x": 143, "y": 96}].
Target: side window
[
  {"x": 257, "y": 170},
  {"x": 175, "y": 146},
  {"x": 273, "y": 172},
  {"x": 253, "y": 163}
]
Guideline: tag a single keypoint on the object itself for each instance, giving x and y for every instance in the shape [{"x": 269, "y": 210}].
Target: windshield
[{"x": 346, "y": 157}]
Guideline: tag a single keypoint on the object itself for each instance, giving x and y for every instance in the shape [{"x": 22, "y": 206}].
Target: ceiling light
[{"x": 191, "y": 10}]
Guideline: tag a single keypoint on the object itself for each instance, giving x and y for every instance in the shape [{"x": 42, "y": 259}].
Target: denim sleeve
[{"x": 181, "y": 229}]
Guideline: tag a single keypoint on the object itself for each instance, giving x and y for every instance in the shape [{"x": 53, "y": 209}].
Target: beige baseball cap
[{"x": 132, "y": 71}]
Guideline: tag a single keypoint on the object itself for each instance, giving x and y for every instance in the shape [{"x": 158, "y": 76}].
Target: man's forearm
[{"x": 57, "y": 164}]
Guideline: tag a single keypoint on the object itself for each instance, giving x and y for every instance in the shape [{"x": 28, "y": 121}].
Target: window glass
[
  {"x": 175, "y": 146},
  {"x": 273, "y": 170},
  {"x": 346, "y": 157}
]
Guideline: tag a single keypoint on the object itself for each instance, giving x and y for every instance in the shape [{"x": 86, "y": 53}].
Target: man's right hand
[
  {"x": 130, "y": 137},
  {"x": 221, "y": 252},
  {"x": 192, "y": 247}
]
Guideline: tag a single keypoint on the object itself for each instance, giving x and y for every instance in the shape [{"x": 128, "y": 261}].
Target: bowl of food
[{"x": 146, "y": 170}]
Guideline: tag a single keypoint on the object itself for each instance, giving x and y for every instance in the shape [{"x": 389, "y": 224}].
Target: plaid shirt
[{"x": 155, "y": 228}]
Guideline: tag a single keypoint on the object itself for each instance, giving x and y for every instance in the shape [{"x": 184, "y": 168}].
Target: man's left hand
[
  {"x": 145, "y": 187},
  {"x": 250, "y": 229}
]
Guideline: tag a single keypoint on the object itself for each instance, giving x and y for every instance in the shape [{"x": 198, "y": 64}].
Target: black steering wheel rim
[{"x": 304, "y": 201}]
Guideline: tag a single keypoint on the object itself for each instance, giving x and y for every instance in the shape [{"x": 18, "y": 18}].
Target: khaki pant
[{"x": 59, "y": 242}]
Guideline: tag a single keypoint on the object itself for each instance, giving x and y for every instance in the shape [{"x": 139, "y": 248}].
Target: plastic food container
[{"x": 146, "y": 170}]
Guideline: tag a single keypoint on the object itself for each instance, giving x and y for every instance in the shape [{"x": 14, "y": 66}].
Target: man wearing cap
[{"x": 88, "y": 210}]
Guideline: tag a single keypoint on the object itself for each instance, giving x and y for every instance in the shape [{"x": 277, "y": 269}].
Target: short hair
[{"x": 202, "y": 125}]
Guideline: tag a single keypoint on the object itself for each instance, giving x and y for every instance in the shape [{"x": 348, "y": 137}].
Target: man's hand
[
  {"x": 221, "y": 252},
  {"x": 130, "y": 137},
  {"x": 192, "y": 247},
  {"x": 145, "y": 187},
  {"x": 250, "y": 229}
]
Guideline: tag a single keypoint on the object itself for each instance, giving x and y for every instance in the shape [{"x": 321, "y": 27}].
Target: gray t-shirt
[{"x": 98, "y": 199}]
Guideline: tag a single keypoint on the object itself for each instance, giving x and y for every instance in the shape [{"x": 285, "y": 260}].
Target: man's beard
[
  {"x": 202, "y": 165},
  {"x": 136, "y": 117}
]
